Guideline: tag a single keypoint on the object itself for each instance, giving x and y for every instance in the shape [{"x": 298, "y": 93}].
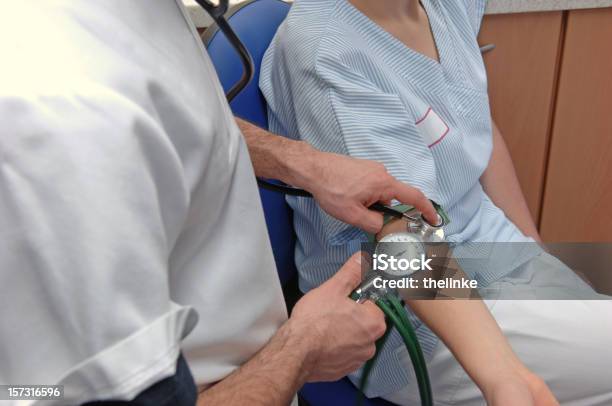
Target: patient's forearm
[
  {"x": 473, "y": 336},
  {"x": 470, "y": 332},
  {"x": 502, "y": 186}
]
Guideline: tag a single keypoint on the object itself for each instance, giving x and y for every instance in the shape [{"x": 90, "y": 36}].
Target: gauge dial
[{"x": 395, "y": 253}]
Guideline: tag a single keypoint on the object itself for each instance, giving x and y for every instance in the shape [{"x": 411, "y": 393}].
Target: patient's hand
[{"x": 528, "y": 390}]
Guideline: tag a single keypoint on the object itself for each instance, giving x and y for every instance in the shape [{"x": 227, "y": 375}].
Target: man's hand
[
  {"x": 327, "y": 337},
  {"x": 343, "y": 186},
  {"x": 340, "y": 334}
]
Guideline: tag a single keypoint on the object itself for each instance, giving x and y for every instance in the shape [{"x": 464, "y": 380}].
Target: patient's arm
[
  {"x": 501, "y": 184},
  {"x": 471, "y": 333}
]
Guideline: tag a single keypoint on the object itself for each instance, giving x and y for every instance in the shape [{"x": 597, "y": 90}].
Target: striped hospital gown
[{"x": 334, "y": 78}]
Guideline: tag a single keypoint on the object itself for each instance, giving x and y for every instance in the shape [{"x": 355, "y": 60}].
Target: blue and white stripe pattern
[{"x": 335, "y": 79}]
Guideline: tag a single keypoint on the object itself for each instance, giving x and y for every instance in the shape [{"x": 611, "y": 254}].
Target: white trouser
[{"x": 566, "y": 342}]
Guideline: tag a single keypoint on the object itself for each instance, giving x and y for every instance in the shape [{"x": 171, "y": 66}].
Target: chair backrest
[{"x": 255, "y": 22}]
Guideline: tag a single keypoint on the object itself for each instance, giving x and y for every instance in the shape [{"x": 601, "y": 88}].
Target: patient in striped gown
[{"x": 402, "y": 82}]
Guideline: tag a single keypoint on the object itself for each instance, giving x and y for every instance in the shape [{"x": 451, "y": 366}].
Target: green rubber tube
[
  {"x": 401, "y": 311},
  {"x": 414, "y": 350},
  {"x": 370, "y": 363},
  {"x": 396, "y": 316}
]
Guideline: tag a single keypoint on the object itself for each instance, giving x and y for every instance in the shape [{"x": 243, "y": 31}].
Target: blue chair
[{"x": 256, "y": 22}]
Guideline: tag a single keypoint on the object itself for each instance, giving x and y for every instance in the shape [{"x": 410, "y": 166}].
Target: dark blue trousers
[{"x": 177, "y": 390}]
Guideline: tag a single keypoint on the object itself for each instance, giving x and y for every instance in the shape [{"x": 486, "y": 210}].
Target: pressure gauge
[{"x": 399, "y": 255}]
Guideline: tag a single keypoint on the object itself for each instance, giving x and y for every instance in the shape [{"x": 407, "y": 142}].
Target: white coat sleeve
[{"x": 90, "y": 198}]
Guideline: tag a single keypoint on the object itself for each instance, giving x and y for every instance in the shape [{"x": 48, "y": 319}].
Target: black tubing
[{"x": 287, "y": 190}]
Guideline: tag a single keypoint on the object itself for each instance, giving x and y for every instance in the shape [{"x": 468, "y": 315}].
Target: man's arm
[
  {"x": 501, "y": 184},
  {"x": 327, "y": 337},
  {"x": 343, "y": 186}
]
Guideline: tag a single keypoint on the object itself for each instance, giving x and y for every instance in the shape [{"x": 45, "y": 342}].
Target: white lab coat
[{"x": 127, "y": 200}]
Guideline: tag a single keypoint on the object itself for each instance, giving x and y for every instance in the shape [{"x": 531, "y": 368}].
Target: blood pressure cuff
[{"x": 404, "y": 208}]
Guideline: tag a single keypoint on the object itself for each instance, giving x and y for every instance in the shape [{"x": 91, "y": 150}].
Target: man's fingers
[
  {"x": 414, "y": 197},
  {"x": 348, "y": 277},
  {"x": 369, "y": 220},
  {"x": 377, "y": 318}
]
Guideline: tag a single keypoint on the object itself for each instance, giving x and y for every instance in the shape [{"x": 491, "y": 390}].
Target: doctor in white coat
[{"x": 131, "y": 231}]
